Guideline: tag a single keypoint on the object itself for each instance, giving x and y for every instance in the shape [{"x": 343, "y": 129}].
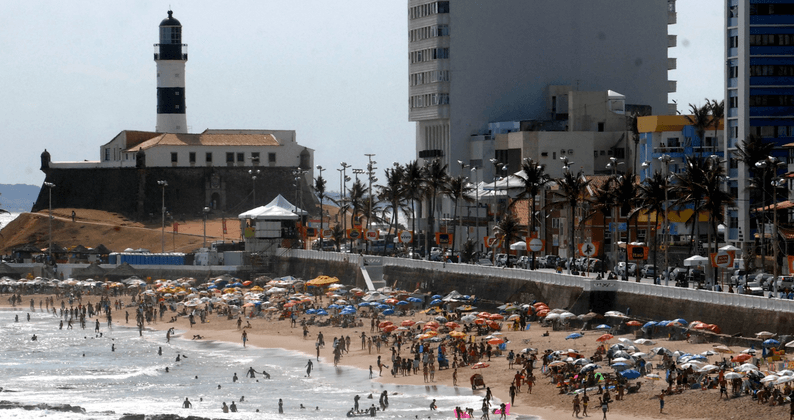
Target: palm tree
[
  {"x": 319, "y": 188},
  {"x": 715, "y": 198},
  {"x": 650, "y": 199},
  {"x": 358, "y": 204},
  {"x": 508, "y": 229},
  {"x": 571, "y": 189},
  {"x": 469, "y": 251},
  {"x": 603, "y": 202},
  {"x": 458, "y": 188},
  {"x": 690, "y": 192},
  {"x": 413, "y": 191},
  {"x": 625, "y": 195},
  {"x": 700, "y": 120},
  {"x": 435, "y": 181},
  {"x": 533, "y": 179},
  {"x": 717, "y": 114},
  {"x": 633, "y": 119},
  {"x": 338, "y": 233},
  {"x": 392, "y": 195}
]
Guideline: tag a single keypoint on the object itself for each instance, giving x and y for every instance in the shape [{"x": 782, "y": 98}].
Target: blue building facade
[{"x": 759, "y": 93}]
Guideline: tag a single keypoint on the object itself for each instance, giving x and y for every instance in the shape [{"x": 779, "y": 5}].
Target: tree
[
  {"x": 717, "y": 114},
  {"x": 413, "y": 191},
  {"x": 700, "y": 120},
  {"x": 392, "y": 195},
  {"x": 469, "y": 252},
  {"x": 435, "y": 181},
  {"x": 508, "y": 229},
  {"x": 715, "y": 198},
  {"x": 533, "y": 179},
  {"x": 650, "y": 199},
  {"x": 633, "y": 119},
  {"x": 358, "y": 204},
  {"x": 458, "y": 188},
  {"x": 319, "y": 188},
  {"x": 571, "y": 190},
  {"x": 689, "y": 190},
  {"x": 603, "y": 202},
  {"x": 338, "y": 233},
  {"x": 625, "y": 196}
]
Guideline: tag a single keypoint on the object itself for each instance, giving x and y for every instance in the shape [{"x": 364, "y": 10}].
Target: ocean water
[{"x": 76, "y": 367}]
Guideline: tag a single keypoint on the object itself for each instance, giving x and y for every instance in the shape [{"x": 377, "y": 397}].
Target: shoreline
[{"x": 278, "y": 334}]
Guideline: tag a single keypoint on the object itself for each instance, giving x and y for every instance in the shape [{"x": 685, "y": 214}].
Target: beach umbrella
[
  {"x": 653, "y": 377},
  {"x": 529, "y": 350},
  {"x": 574, "y": 336},
  {"x": 588, "y": 367},
  {"x": 436, "y": 297},
  {"x": 495, "y": 341},
  {"x": 452, "y": 325},
  {"x": 630, "y": 374},
  {"x": 785, "y": 372},
  {"x": 389, "y": 328},
  {"x": 408, "y": 323},
  {"x": 440, "y": 319},
  {"x": 468, "y": 318},
  {"x": 784, "y": 379},
  {"x": 708, "y": 368},
  {"x": 639, "y": 355},
  {"x": 414, "y": 299},
  {"x": 660, "y": 351},
  {"x": 749, "y": 351},
  {"x": 620, "y": 353},
  {"x": 436, "y": 302},
  {"x": 603, "y": 327},
  {"x": 457, "y": 334},
  {"x": 763, "y": 335},
  {"x": 747, "y": 367},
  {"x": 769, "y": 378},
  {"x": 605, "y": 337},
  {"x": 496, "y": 317},
  {"x": 403, "y": 303},
  {"x": 615, "y": 314},
  {"x": 383, "y": 307},
  {"x": 388, "y": 312},
  {"x": 732, "y": 375},
  {"x": 620, "y": 366},
  {"x": 771, "y": 342},
  {"x": 722, "y": 349},
  {"x": 308, "y": 311},
  {"x": 557, "y": 363},
  {"x": 648, "y": 325}
]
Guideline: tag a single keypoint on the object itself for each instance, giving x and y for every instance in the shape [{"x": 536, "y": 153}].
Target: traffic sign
[
  {"x": 327, "y": 233},
  {"x": 535, "y": 245},
  {"x": 588, "y": 249},
  {"x": 371, "y": 235},
  {"x": 406, "y": 236},
  {"x": 491, "y": 241},
  {"x": 638, "y": 252},
  {"x": 353, "y": 233},
  {"x": 443, "y": 238}
]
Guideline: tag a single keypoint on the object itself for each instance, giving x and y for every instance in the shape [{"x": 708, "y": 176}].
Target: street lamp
[
  {"x": 463, "y": 166},
  {"x": 253, "y": 173},
  {"x": 496, "y": 164},
  {"x": 206, "y": 212},
  {"x": 50, "y": 185},
  {"x": 477, "y": 208},
  {"x": 770, "y": 164},
  {"x": 163, "y": 184},
  {"x": 778, "y": 182},
  {"x": 370, "y": 175},
  {"x": 613, "y": 165},
  {"x": 665, "y": 159}
]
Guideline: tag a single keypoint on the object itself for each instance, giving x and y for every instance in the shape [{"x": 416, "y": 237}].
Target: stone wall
[{"x": 135, "y": 193}]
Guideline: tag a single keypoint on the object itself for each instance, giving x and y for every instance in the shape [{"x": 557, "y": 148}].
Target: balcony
[
  {"x": 672, "y": 109},
  {"x": 672, "y": 41},
  {"x": 430, "y": 154},
  {"x": 672, "y": 63},
  {"x": 672, "y": 85},
  {"x": 672, "y": 18}
]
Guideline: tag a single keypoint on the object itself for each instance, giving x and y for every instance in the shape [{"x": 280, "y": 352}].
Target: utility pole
[
  {"x": 370, "y": 177},
  {"x": 163, "y": 184}
]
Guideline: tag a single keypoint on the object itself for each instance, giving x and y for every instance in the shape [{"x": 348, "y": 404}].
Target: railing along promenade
[{"x": 562, "y": 279}]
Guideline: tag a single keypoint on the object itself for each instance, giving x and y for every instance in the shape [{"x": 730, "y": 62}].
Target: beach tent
[{"x": 278, "y": 209}]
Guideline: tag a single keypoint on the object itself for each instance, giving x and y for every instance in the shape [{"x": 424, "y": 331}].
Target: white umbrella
[
  {"x": 644, "y": 342},
  {"x": 707, "y": 368},
  {"x": 695, "y": 261},
  {"x": 785, "y": 372},
  {"x": 732, "y": 375},
  {"x": 784, "y": 379},
  {"x": 790, "y": 344},
  {"x": 763, "y": 335},
  {"x": 615, "y": 314},
  {"x": 769, "y": 378},
  {"x": 747, "y": 367},
  {"x": 625, "y": 340}
]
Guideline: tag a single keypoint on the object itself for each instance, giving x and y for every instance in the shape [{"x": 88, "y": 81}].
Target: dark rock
[{"x": 6, "y": 405}]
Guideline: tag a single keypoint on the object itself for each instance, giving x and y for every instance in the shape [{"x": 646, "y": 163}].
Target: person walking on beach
[
  {"x": 585, "y": 400},
  {"x": 512, "y": 394},
  {"x": 485, "y": 409},
  {"x": 604, "y": 406},
  {"x": 576, "y": 408},
  {"x": 187, "y": 403},
  {"x": 280, "y": 406},
  {"x": 355, "y": 402},
  {"x": 245, "y": 337},
  {"x": 661, "y": 403},
  {"x": 309, "y": 367},
  {"x": 455, "y": 377}
]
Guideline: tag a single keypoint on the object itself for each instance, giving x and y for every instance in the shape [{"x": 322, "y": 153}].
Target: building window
[
  {"x": 192, "y": 157},
  {"x": 733, "y": 42},
  {"x": 173, "y": 157},
  {"x": 600, "y": 127},
  {"x": 733, "y": 72},
  {"x": 107, "y": 154},
  {"x": 209, "y": 157},
  {"x": 620, "y": 153},
  {"x": 229, "y": 157},
  {"x": 733, "y": 102},
  {"x": 255, "y": 158},
  {"x": 240, "y": 157},
  {"x": 271, "y": 157}
]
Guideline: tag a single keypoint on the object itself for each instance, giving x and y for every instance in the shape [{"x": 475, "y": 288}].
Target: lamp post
[
  {"x": 163, "y": 184},
  {"x": 50, "y": 185},
  {"x": 496, "y": 164},
  {"x": 206, "y": 212},
  {"x": 666, "y": 159},
  {"x": 463, "y": 167},
  {"x": 253, "y": 173},
  {"x": 770, "y": 164},
  {"x": 776, "y": 183},
  {"x": 613, "y": 165},
  {"x": 566, "y": 167},
  {"x": 477, "y": 208},
  {"x": 370, "y": 176}
]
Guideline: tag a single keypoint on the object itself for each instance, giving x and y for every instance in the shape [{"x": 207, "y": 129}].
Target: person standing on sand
[
  {"x": 661, "y": 403},
  {"x": 309, "y": 367},
  {"x": 245, "y": 337},
  {"x": 455, "y": 377},
  {"x": 604, "y": 406},
  {"x": 585, "y": 400},
  {"x": 512, "y": 394}
]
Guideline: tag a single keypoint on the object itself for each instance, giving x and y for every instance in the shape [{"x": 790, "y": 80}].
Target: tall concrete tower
[{"x": 170, "y": 55}]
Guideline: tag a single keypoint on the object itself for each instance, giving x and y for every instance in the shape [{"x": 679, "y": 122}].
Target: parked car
[
  {"x": 501, "y": 260},
  {"x": 594, "y": 265},
  {"x": 785, "y": 282},
  {"x": 648, "y": 271},
  {"x": 620, "y": 269},
  {"x": 551, "y": 261},
  {"x": 695, "y": 275}
]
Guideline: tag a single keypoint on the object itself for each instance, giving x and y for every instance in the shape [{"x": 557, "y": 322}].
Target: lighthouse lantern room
[{"x": 170, "y": 55}]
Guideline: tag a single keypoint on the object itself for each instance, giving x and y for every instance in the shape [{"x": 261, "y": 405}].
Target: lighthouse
[{"x": 170, "y": 55}]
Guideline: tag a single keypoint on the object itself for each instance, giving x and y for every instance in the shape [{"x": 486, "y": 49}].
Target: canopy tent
[
  {"x": 695, "y": 261},
  {"x": 278, "y": 209}
]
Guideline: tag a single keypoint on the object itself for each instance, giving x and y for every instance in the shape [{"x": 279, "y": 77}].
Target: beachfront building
[
  {"x": 477, "y": 70},
  {"x": 759, "y": 94},
  {"x": 473, "y": 63}
]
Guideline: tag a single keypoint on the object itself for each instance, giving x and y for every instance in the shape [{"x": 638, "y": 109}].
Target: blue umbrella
[
  {"x": 682, "y": 321},
  {"x": 603, "y": 327},
  {"x": 311, "y": 311},
  {"x": 466, "y": 297},
  {"x": 347, "y": 312},
  {"x": 649, "y": 324},
  {"x": 383, "y": 306},
  {"x": 574, "y": 336},
  {"x": 619, "y": 365},
  {"x": 350, "y": 308},
  {"x": 403, "y": 303},
  {"x": 363, "y": 304},
  {"x": 771, "y": 343},
  {"x": 333, "y": 306},
  {"x": 322, "y": 312},
  {"x": 435, "y": 302},
  {"x": 388, "y": 312},
  {"x": 436, "y": 297},
  {"x": 662, "y": 323},
  {"x": 630, "y": 374},
  {"x": 414, "y": 299}
]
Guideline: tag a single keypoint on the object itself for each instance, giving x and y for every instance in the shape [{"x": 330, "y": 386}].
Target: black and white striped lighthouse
[{"x": 170, "y": 55}]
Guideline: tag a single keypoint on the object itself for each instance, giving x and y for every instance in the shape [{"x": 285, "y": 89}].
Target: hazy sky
[{"x": 74, "y": 74}]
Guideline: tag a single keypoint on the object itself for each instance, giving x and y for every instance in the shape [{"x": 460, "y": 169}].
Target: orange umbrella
[
  {"x": 605, "y": 337},
  {"x": 429, "y": 327},
  {"x": 494, "y": 325},
  {"x": 408, "y": 323},
  {"x": 457, "y": 334},
  {"x": 390, "y": 328},
  {"x": 495, "y": 341},
  {"x": 483, "y": 314},
  {"x": 741, "y": 358},
  {"x": 479, "y": 321},
  {"x": 634, "y": 323},
  {"x": 385, "y": 324},
  {"x": 543, "y": 313},
  {"x": 434, "y": 324},
  {"x": 496, "y": 317},
  {"x": 391, "y": 301},
  {"x": 247, "y": 283},
  {"x": 452, "y": 325},
  {"x": 537, "y": 304},
  {"x": 714, "y": 328}
]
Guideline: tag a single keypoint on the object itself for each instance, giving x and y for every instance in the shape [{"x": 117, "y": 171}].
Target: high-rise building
[
  {"x": 759, "y": 94},
  {"x": 472, "y": 63}
]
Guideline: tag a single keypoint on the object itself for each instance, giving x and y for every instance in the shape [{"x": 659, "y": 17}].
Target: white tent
[
  {"x": 278, "y": 209},
  {"x": 695, "y": 261}
]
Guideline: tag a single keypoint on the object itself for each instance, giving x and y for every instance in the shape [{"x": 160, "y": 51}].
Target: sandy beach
[{"x": 545, "y": 400}]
